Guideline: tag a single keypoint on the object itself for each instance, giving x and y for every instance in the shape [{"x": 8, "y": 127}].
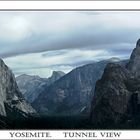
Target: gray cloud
[
  {"x": 36, "y": 41},
  {"x": 91, "y": 29}
]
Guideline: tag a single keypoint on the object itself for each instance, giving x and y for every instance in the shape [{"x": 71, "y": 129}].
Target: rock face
[
  {"x": 134, "y": 63},
  {"x": 32, "y": 86},
  {"x": 111, "y": 96},
  {"x": 116, "y": 97},
  {"x": 10, "y": 97},
  {"x": 71, "y": 94},
  {"x": 55, "y": 76}
]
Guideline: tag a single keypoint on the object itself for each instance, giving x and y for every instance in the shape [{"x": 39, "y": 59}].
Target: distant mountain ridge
[
  {"x": 31, "y": 86},
  {"x": 71, "y": 94}
]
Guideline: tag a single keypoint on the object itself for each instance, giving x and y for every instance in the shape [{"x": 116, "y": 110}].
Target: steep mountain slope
[
  {"x": 12, "y": 104},
  {"x": 116, "y": 99},
  {"x": 134, "y": 63},
  {"x": 32, "y": 86},
  {"x": 71, "y": 94}
]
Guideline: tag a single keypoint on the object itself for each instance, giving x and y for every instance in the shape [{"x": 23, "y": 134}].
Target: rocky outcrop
[
  {"x": 10, "y": 97},
  {"x": 134, "y": 63},
  {"x": 116, "y": 97},
  {"x": 32, "y": 86},
  {"x": 55, "y": 76}
]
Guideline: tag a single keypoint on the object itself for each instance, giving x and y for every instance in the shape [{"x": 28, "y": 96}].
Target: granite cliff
[
  {"x": 12, "y": 103},
  {"x": 116, "y": 100}
]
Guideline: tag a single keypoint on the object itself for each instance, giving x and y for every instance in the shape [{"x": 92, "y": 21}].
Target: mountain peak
[
  {"x": 134, "y": 62},
  {"x": 61, "y": 73},
  {"x": 1, "y": 61},
  {"x": 138, "y": 43},
  {"x": 114, "y": 59},
  {"x": 56, "y": 75},
  {"x": 2, "y": 64},
  {"x": 27, "y": 77}
]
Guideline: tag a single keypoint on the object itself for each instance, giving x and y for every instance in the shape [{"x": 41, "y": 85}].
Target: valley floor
[{"x": 75, "y": 122}]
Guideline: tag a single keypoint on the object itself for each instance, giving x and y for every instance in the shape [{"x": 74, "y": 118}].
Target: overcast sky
[{"x": 37, "y": 43}]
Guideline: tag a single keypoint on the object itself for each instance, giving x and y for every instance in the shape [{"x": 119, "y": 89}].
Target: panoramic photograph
[{"x": 70, "y": 70}]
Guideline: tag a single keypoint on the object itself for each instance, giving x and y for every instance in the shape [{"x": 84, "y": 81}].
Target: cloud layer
[{"x": 39, "y": 42}]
